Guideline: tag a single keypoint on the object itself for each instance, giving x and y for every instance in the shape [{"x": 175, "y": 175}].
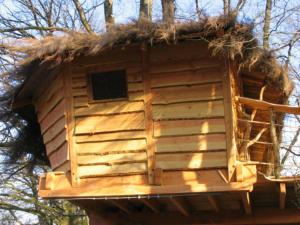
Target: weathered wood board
[
  {"x": 111, "y": 159},
  {"x": 191, "y": 143},
  {"x": 121, "y": 122},
  {"x": 189, "y": 110},
  {"x": 111, "y": 146},
  {"x": 187, "y": 93},
  {"x": 185, "y": 161},
  {"x": 115, "y": 169},
  {"x": 188, "y": 127},
  {"x": 123, "y": 135}
]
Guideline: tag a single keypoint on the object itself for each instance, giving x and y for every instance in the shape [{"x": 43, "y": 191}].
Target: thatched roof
[{"x": 224, "y": 37}]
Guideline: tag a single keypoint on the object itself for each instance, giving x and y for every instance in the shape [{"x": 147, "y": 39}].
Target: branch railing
[{"x": 271, "y": 126}]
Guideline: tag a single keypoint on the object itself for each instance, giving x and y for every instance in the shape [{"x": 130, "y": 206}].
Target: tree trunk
[
  {"x": 82, "y": 16},
  {"x": 168, "y": 8},
  {"x": 108, "y": 12},
  {"x": 198, "y": 11},
  {"x": 146, "y": 9},
  {"x": 226, "y": 7},
  {"x": 267, "y": 22}
]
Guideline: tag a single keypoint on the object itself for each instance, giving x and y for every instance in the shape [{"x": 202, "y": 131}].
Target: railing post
[{"x": 274, "y": 139}]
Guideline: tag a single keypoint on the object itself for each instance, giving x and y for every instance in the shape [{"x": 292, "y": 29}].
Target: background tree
[
  {"x": 108, "y": 11},
  {"x": 168, "y": 10},
  {"x": 267, "y": 23},
  {"x": 146, "y": 9}
]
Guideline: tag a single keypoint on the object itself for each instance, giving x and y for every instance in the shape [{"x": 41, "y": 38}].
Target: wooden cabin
[{"x": 152, "y": 134}]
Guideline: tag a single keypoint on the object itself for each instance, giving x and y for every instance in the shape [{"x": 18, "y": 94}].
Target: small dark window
[{"x": 109, "y": 85}]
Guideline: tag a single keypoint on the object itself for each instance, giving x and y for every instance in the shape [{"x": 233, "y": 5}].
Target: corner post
[
  {"x": 149, "y": 126},
  {"x": 70, "y": 125},
  {"x": 230, "y": 116}
]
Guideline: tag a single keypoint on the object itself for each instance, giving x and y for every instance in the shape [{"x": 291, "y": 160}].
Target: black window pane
[{"x": 109, "y": 85}]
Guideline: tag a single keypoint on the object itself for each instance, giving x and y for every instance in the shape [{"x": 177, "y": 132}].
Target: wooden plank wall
[
  {"x": 188, "y": 108},
  {"x": 50, "y": 108},
  {"x": 187, "y": 113},
  {"x": 110, "y": 136}
]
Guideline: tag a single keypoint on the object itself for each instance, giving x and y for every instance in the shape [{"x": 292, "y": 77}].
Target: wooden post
[
  {"x": 148, "y": 114},
  {"x": 246, "y": 202},
  {"x": 282, "y": 195},
  {"x": 229, "y": 119},
  {"x": 70, "y": 126},
  {"x": 274, "y": 139}
]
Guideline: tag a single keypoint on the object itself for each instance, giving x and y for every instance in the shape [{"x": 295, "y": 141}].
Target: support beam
[
  {"x": 246, "y": 202},
  {"x": 213, "y": 202},
  {"x": 150, "y": 205},
  {"x": 63, "y": 189},
  {"x": 180, "y": 205},
  {"x": 282, "y": 195},
  {"x": 262, "y": 216},
  {"x": 120, "y": 205}
]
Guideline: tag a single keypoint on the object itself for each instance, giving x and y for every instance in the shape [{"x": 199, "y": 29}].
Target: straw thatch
[{"x": 223, "y": 35}]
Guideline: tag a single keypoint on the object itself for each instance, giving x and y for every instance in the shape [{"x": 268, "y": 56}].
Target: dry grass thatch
[{"x": 224, "y": 36}]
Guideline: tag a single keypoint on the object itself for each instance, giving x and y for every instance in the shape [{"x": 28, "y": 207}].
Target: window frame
[{"x": 90, "y": 86}]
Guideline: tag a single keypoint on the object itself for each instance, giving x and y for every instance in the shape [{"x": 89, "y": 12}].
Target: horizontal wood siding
[
  {"x": 187, "y": 93},
  {"x": 105, "y": 170},
  {"x": 111, "y": 146},
  {"x": 191, "y": 143},
  {"x": 188, "y": 127},
  {"x": 189, "y": 110},
  {"x": 187, "y": 106},
  {"x": 188, "y": 161},
  {"x": 110, "y": 108},
  {"x": 110, "y": 136},
  {"x": 188, "y": 114},
  {"x": 122, "y": 135},
  {"x": 59, "y": 156},
  {"x": 111, "y": 159},
  {"x": 50, "y": 109}
]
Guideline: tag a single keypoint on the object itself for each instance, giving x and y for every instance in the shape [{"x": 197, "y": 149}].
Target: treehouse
[{"x": 146, "y": 126}]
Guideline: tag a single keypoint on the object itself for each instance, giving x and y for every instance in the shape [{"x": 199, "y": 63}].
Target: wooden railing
[{"x": 270, "y": 125}]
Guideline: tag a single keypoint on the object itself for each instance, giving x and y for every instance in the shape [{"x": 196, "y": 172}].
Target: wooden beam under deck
[
  {"x": 213, "y": 202},
  {"x": 120, "y": 205},
  {"x": 150, "y": 205},
  {"x": 141, "y": 190},
  {"x": 262, "y": 216},
  {"x": 180, "y": 205}
]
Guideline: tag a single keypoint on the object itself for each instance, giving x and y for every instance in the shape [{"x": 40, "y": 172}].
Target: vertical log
[
  {"x": 148, "y": 114},
  {"x": 69, "y": 113},
  {"x": 146, "y": 9},
  {"x": 168, "y": 8},
  {"x": 230, "y": 118},
  {"x": 108, "y": 12},
  {"x": 274, "y": 139}
]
